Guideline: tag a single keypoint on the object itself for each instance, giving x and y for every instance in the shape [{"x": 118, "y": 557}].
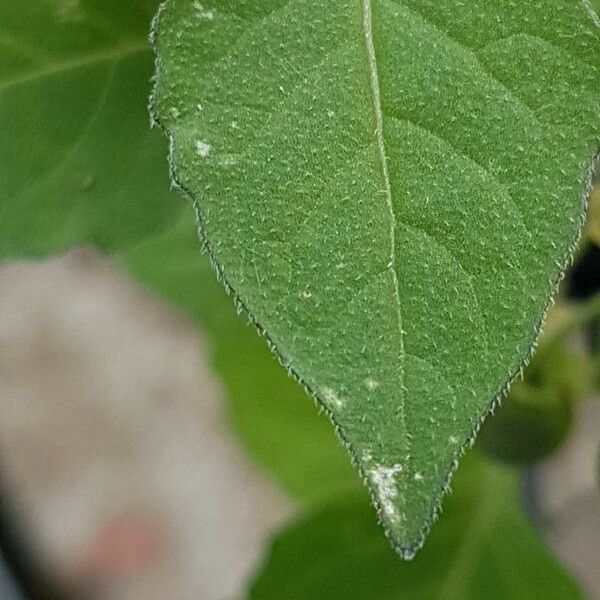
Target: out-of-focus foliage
[
  {"x": 530, "y": 424},
  {"x": 78, "y": 161}
]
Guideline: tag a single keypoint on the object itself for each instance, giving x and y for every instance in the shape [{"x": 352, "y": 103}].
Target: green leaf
[
  {"x": 78, "y": 162},
  {"x": 481, "y": 548},
  {"x": 392, "y": 191},
  {"x": 266, "y": 408}
]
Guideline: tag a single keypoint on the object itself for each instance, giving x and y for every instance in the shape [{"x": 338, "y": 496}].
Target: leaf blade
[{"x": 297, "y": 150}]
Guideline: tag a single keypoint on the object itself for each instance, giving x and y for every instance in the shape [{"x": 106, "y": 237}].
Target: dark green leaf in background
[{"x": 392, "y": 189}]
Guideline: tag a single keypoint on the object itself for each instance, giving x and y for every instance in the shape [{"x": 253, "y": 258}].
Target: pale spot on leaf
[{"x": 202, "y": 148}]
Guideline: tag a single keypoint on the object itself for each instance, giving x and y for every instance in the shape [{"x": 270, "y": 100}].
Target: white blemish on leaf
[
  {"x": 202, "y": 148},
  {"x": 203, "y": 13},
  {"x": 384, "y": 480},
  {"x": 371, "y": 384},
  {"x": 305, "y": 295},
  {"x": 227, "y": 160},
  {"x": 331, "y": 398}
]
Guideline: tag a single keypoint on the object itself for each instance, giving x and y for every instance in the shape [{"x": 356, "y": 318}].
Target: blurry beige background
[{"x": 114, "y": 440}]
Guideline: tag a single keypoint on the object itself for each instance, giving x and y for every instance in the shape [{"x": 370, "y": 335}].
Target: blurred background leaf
[{"x": 78, "y": 161}]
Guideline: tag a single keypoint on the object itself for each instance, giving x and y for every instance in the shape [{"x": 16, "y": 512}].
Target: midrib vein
[
  {"x": 115, "y": 53},
  {"x": 374, "y": 80}
]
